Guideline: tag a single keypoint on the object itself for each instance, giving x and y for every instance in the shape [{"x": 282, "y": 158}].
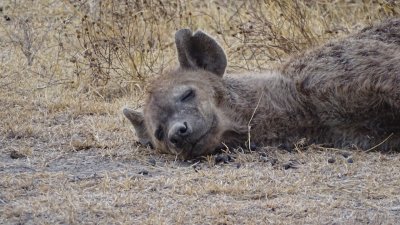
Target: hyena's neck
[{"x": 270, "y": 104}]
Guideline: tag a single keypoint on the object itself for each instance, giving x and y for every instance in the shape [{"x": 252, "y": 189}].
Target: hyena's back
[{"x": 353, "y": 85}]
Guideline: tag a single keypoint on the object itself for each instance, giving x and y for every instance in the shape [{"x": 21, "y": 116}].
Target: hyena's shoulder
[
  {"x": 372, "y": 50},
  {"x": 387, "y": 32}
]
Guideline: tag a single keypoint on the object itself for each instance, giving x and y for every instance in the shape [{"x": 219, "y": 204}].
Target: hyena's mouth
[{"x": 201, "y": 145}]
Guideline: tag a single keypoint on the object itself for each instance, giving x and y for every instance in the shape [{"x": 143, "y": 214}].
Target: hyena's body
[{"x": 346, "y": 92}]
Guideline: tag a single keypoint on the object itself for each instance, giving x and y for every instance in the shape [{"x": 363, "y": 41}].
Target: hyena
[{"x": 344, "y": 93}]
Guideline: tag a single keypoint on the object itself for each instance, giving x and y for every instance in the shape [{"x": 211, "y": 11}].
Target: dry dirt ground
[
  {"x": 68, "y": 156},
  {"x": 83, "y": 169}
]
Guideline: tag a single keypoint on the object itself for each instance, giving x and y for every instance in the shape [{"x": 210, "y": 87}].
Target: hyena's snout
[{"x": 178, "y": 133}]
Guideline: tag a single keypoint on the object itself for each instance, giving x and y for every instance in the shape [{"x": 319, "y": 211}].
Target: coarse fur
[{"x": 345, "y": 93}]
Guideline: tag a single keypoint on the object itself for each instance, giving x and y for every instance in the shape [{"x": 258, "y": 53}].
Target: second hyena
[{"x": 346, "y": 92}]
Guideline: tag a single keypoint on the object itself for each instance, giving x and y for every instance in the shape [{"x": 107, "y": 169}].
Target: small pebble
[
  {"x": 220, "y": 158},
  {"x": 273, "y": 161},
  {"x": 238, "y": 165},
  {"x": 331, "y": 160},
  {"x": 263, "y": 159},
  {"x": 223, "y": 159},
  {"x": 196, "y": 168},
  {"x": 152, "y": 162},
  {"x": 346, "y": 154},
  {"x": 287, "y": 166},
  {"x": 292, "y": 164},
  {"x": 153, "y": 189},
  {"x": 263, "y": 154},
  {"x": 16, "y": 155},
  {"x": 350, "y": 160},
  {"x": 144, "y": 172}
]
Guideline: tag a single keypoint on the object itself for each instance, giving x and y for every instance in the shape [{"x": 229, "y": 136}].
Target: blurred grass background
[{"x": 106, "y": 49}]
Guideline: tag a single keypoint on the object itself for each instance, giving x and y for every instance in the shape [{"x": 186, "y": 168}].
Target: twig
[
  {"x": 251, "y": 118},
  {"x": 54, "y": 84},
  {"x": 379, "y": 143}
]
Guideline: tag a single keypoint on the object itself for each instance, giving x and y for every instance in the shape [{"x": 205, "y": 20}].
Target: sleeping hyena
[{"x": 346, "y": 92}]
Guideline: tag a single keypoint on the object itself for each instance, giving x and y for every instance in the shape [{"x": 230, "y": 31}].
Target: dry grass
[{"x": 67, "y": 155}]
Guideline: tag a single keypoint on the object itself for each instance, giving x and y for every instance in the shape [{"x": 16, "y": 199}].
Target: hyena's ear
[
  {"x": 137, "y": 120},
  {"x": 199, "y": 50}
]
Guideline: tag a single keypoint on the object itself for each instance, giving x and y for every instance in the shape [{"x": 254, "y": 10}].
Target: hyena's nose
[{"x": 178, "y": 132}]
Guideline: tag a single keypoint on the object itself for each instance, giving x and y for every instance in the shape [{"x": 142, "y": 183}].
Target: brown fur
[{"x": 344, "y": 93}]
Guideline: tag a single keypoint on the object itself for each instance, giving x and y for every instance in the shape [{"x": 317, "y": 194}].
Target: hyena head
[{"x": 181, "y": 115}]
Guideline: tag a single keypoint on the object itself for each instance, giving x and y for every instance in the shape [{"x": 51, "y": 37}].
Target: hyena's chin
[{"x": 206, "y": 143}]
